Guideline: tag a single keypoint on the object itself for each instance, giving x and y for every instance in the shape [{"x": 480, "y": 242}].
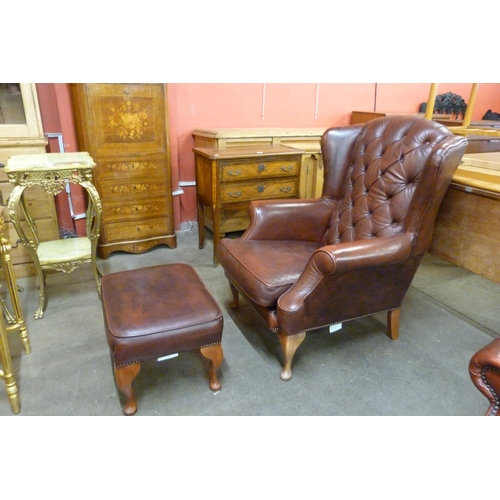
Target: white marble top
[
  {"x": 49, "y": 161},
  {"x": 64, "y": 250}
]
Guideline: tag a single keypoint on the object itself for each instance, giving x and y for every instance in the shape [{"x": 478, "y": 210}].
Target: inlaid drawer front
[
  {"x": 139, "y": 189},
  {"x": 113, "y": 212},
  {"x": 139, "y": 230},
  {"x": 236, "y": 171},
  {"x": 247, "y": 191},
  {"x": 121, "y": 170}
]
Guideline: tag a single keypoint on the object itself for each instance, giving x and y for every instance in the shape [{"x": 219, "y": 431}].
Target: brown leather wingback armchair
[
  {"x": 484, "y": 370},
  {"x": 306, "y": 264}
]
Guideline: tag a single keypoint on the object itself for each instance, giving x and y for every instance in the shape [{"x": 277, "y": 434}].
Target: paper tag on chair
[{"x": 163, "y": 358}]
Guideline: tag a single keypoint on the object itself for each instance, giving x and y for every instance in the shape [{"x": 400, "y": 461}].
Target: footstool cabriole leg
[
  {"x": 124, "y": 376},
  {"x": 214, "y": 353}
]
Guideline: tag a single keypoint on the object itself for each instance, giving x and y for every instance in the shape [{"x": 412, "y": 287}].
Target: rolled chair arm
[
  {"x": 484, "y": 370},
  {"x": 363, "y": 253},
  {"x": 289, "y": 219},
  {"x": 353, "y": 266}
]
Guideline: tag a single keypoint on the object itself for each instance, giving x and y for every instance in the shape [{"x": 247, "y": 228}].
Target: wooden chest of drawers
[
  {"x": 124, "y": 128},
  {"x": 306, "y": 139},
  {"x": 228, "y": 179}
]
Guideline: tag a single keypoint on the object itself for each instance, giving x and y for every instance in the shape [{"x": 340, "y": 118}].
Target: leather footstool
[{"x": 156, "y": 311}]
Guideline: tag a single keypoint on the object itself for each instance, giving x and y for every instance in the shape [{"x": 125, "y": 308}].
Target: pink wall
[
  {"x": 222, "y": 105},
  {"x": 232, "y": 105}
]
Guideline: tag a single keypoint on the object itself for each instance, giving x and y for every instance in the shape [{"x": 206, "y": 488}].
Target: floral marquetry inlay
[
  {"x": 128, "y": 120},
  {"x": 133, "y": 166},
  {"x": 134, "y": 188},
  {"x": 136, "y": 209}
]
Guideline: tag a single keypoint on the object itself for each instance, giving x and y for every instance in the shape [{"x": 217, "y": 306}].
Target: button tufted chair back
[{"x": 387, "y": 163}]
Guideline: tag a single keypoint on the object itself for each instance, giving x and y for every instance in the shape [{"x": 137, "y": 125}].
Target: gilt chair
[
  {"x": 484, "y": 371},
  {"x": 353, "y": 252}
]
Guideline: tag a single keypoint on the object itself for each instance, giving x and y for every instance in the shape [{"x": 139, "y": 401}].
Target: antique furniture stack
[
  {"x": 464, "y": 234},
  {"x": 237, "y": 165}
]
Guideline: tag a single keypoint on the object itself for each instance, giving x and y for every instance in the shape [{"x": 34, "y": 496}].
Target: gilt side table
[{"x": 52, "y": 171}]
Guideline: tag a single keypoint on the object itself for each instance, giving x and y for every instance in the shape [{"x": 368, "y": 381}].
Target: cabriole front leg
[
  {"x": 124, "y": 376},
  {"x": 213, "y": 353},
  {"x": 289, "y": 344}
]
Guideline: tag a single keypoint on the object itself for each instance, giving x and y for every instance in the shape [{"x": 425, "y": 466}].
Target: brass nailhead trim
[
  {"x": 338, "y": 322},
  {"x": 129, "y": 363},
  {"x": 495, "y": 409},
  {"x": 208, "y": 345},
  {"x": 140, "y": 361}
]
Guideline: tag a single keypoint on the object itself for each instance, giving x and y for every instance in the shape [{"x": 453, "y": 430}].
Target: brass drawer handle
[
  {"x": 234, "y": 173},
  {"x": 235, "y": 194},
  {"x": 287, "y": 169},
  {"x": 286, "y": 189}
]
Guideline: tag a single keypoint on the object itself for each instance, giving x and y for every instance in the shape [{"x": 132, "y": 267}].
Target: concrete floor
[{"x": 448, "y": 314}]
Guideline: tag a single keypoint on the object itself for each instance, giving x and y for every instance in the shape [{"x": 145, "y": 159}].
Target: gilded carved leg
[
  {"x": 23, "y": 333},
  {"x": 93, "y": 228},
  {"x": 42, "y": 302},
  {"x": 393, "y": 324},
  {"x": 97, "y": 275},
  {"x": 18, "y": 315},
  {"x": 15, "y": 320},
  {"x": 215, "y": 355},
  {"x": 289, "y": 344},
  {"x": 124, "y": 376},
  {"x": 8, "y": 315},
  {"x": 7, "y": 373},
  {"x": 234, "y": 304}
]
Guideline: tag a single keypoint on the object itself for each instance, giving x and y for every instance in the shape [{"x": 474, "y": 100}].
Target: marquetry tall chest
[{"x": 124, "y": 127}]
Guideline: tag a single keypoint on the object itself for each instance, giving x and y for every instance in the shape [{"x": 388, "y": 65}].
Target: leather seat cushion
[
  {"x": 265, "y": 269},
  {"x": 156, "y": 311}
]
